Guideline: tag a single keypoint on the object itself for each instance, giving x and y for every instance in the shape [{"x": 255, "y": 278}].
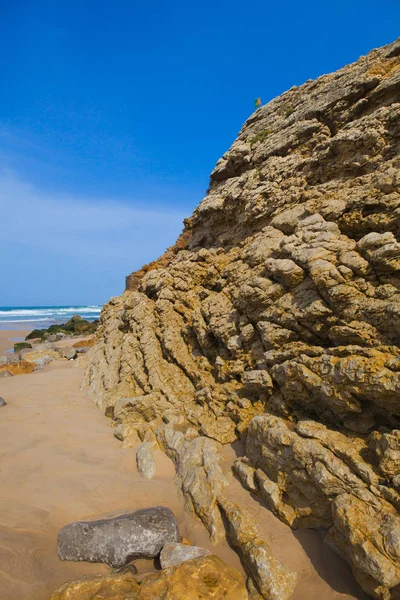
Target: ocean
[{"x": 39, "y": 317}]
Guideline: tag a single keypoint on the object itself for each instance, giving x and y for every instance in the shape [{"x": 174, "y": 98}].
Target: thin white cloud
[
  {"x": 69, "y": 225},
  {"x": 56, "y": 248}
]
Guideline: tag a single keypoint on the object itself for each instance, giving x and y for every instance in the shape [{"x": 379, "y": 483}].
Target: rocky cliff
[{"x": 276, "y": 319}]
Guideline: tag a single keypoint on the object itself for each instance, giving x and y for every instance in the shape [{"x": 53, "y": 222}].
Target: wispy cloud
[
  {"x": 68, "y": 225},
  {"x": 99, "y": 239}
]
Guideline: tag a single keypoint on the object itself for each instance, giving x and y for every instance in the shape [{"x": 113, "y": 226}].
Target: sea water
[{"x": 39, "y": 317}]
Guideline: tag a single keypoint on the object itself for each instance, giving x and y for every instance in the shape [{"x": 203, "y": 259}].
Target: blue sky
[{"x": 113, "y": 114}]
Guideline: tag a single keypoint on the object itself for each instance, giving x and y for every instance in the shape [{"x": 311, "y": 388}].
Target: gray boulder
[
  {"x": 2, "y": 402},
  {"x": 44, "y": 346},
  {"x": 83, "y": 349},
  {"x": 11, "y": 359},
  {"x": 42, "y": 362},
  {"x": 69, "y": 353},
  {"x": 117, "y": 541},
  {"x": 173, "y": 554},
  {"x": 5, "y": 374},
  {"x": 55, "y": 337}
]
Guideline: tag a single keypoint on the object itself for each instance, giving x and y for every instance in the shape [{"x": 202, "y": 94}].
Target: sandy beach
[{"x": 60, "y": 462}]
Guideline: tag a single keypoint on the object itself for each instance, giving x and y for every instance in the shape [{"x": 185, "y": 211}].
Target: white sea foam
[
  {"x": 25, "y": 320},
  {"x": 49, "y": 311},
  {"x": 45, "y": 314}
]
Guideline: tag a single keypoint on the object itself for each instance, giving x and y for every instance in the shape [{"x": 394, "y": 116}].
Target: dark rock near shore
[
  {"x": 21, "y": 346},
  {"x": 75, "y": 326},
  {"x": 2, "y": 402},
  {"x": 117, "y": 541}
]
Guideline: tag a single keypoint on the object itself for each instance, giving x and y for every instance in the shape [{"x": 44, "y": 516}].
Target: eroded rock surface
[
  {"x": 311, "y": 476},
  {"x": 272, "y": 579},
  {"x": 116, "y": 541},
  {"x": 276, "y": 319},
  {"x": 107, "y": 587},
  {"x": 204, "y": 577},
  {"x": 145, "y": 460}
]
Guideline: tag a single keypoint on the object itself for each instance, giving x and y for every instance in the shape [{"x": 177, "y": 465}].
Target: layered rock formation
[{"x": 276, "y": 319}]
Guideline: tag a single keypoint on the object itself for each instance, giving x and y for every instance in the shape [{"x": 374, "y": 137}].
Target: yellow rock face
[
  {"x": 20, "y": 368},
  {"x": 276, "y": 319},
  {"x": 119, "y": 586},
  {"x": 203, "y": 578},
  {"x": 206, "y": 577}
]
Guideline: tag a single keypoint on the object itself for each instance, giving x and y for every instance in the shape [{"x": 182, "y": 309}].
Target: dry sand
[{"x": 59, "y": 462}]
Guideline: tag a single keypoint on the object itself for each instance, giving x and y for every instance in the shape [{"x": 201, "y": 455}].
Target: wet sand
[
  {"x": 6, "y": 339},
  {"x": 59, "y": 462}
]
